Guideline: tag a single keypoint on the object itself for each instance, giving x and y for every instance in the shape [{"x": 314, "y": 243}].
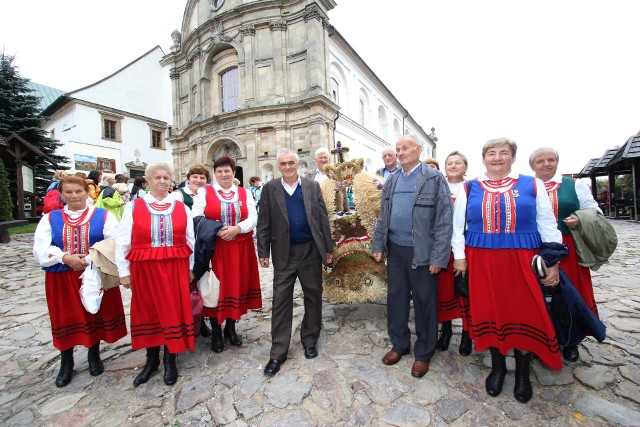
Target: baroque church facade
[{"x": 251, "y": 77}]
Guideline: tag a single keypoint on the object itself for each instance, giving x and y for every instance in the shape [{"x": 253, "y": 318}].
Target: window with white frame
[
  {"x": 335, "y": 91},
  {"x": 362, "y": 109},
  {"x": 229, "y": 90},
  {"x": 383, "y": 125}
]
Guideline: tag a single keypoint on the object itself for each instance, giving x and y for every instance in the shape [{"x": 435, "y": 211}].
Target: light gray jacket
[{"x": 432, "y": 218}]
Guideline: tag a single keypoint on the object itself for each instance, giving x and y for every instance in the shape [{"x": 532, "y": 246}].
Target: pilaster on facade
[{"x": 280, "y": 25}]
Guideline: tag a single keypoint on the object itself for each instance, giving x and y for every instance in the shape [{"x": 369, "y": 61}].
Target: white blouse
[
  {"x": 545, "y": 220},
  {"x": 200, "y": 203},
  {"x": 48, "y": 254},
  {"x": 123, "y": 237}
]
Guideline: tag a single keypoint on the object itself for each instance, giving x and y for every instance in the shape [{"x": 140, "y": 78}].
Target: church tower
[{"x": 250, "y": 77}]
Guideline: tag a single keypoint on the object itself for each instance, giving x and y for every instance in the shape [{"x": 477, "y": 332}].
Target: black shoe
[
  {"x": 170, "y": 368},
  {"x": 571, "y": 353},
  {"x": 273, "y": 367},
  {"x": 66, "y": 368},
  {"x": 445, "y": 336},
  {"x": 465, "y": 344},
  {"x": 153, "y": 361},
  {"x": 230, "y": 333},
  {"x": 204, "y": 329},
  {"x": 311, "y": 352},
  {"x": 522, "y": 390},
  {"x": 96, "y": 367},
  {"x": 494, "y": 381},
  {"x": 217, "y": 345}
]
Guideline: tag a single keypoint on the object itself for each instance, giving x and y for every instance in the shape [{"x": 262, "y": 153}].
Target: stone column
[
  {"x": 248, "y": 81},
  {"x": 174, "y": 75},
  {"x": 314, "y": 19},
  {"x": 278, "y": 35}
]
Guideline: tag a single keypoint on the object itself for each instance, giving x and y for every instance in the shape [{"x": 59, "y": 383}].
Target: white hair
[
  {"x": 148, "y": 172},
  {"x": 286, "y": 151},
  {"x": 322, "y": 150},
  {"x": 541, "y": 150}
]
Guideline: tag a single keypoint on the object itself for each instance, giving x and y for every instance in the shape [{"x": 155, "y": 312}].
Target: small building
[{"x": 118, "y": 124}]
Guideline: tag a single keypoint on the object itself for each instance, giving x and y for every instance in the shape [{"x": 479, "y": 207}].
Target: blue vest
[
  {"x": 299, "y": 230},
  {"x": 503, "y": 220},
  {"x": 76, "y": 237}
]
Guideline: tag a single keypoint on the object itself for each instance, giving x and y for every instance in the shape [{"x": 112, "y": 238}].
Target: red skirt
[
  {"x": 236, "y": 266},
  {"x": 161, "y": 305},
  {"x": 580, "y": 276},
  {"x": 450, "y": 305},
  {"x": 71, "y": 324},
  {"x": 507, "y": 308}
]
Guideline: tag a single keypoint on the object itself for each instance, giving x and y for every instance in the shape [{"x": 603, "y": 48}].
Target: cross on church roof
[{"x": 340, "y": 150}]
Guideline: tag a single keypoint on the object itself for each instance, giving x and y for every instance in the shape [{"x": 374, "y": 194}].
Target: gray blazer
[
  {"x": 432, "y": 218},
  {"x": 273, "y": 221}
]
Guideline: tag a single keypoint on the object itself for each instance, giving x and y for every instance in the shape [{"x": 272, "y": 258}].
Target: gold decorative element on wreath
[{"x": 355, "y": 276}]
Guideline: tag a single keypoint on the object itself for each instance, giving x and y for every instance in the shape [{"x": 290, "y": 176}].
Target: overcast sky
[{"x": 564, "y": 73}]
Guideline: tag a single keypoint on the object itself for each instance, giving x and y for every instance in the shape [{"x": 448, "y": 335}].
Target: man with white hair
[
  {"x": 322, "y": 157},
  {"x": 391, "y": 165}
]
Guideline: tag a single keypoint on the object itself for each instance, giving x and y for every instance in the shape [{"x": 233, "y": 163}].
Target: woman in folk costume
[
  {"x": 234, "y": 261},
  {"x": 153, "y": 248},
  {"x": 450, "y": 305},
  {"x": 508, "y": 217},
  {"x": 567, "y": 196},
  {"x": 197, "y": 177},
  {"x": 61, "y": 243}
]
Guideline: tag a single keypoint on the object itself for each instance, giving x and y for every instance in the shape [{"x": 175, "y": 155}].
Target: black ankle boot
[
  {"x": 217, "y": 345},
  {"x": 170, "y": 368},
  {"x": 96, "y": 367},
  {"x": 230, "y": 333},
  {"x": 204, "y": 329},
  {"x": 494, "y": 381},
  {"x": 445, "y": 336},
  {"x": 66, "y": 368},
  {"x": 571, "y": 353},
  {"x": 153, "y": 361},
  {"x": 522, "y": 390},
  {"x": 465, "y": 344}
]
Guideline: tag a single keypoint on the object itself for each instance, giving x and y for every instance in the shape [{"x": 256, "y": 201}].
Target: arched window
[
  {"x": 229, "y": 89},
  {"x": 396, "y": 128},
  {"x": 362, "y": 108},
  {"x": 383, "y": 125},
  {"x": 335, "y": 91}
]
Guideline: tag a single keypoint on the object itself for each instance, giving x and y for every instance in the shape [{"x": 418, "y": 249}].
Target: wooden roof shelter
[
  {"x": 15, "y": 149},
  {"x": 617, "y": 161}
]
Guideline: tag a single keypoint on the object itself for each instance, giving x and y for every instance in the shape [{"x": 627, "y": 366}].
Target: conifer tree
[
  {"x": 6, "y": 205},
  {"x": 19, "y": 113}
]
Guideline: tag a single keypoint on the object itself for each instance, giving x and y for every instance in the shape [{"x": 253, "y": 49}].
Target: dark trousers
[
  {"x": 405, "y": 283},
  {"x": 304, "y": 263}
]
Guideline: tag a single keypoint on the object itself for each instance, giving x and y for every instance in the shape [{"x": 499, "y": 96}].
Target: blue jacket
[{"x": 432, "y": 218}]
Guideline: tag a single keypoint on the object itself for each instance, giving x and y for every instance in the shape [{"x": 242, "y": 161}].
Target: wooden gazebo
[
  {"x": 16, "y": 150},
  {"x": 617, "y": 161}
]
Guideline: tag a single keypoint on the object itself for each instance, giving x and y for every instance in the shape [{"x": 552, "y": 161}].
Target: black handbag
[{"x": 461, "y": 285}]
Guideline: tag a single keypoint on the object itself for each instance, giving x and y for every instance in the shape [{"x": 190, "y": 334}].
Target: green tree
[
  {"x": 6, "y": 204},
  {"x": 19, "y": 113}
]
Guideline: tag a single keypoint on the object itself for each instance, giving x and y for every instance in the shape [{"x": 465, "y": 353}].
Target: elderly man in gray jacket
[{"x": 414, "y": 228}]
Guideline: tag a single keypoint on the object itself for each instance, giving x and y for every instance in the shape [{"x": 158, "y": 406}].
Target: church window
[
  {"x": 156, "y": 139},
  {"x": 362, "y": 108},
  {"x": 229, "y": 90},
  {"x": 382, "y": 122},
  {"x": 109, "y": 129},
  {"x": 335, "y": 91},
  {"x": 111, "y": 126}
]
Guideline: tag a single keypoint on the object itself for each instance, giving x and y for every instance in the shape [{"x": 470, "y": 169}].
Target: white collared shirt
[
  {"x": 200, "y": 204},
  {"x": 290, "y": 189},
  {"x": 320, "y": 176}
]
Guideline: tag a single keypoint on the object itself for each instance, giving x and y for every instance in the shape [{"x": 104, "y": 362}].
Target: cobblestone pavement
[{"x": 346, "y": 385}]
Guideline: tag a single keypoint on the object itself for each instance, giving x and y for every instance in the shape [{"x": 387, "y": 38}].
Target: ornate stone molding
[
  {"x": 278, "y": 25},
  {"x": 248, "y": 30},
  {"x": 313, "y": 12},
  {"x": 177, "y": 40},
  {"x": 174, "y": 74},
  {"x": 216, "y": 28}
]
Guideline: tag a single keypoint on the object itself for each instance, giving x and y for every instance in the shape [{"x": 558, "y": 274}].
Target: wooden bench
[
  {"x": 616, "y": 211},
  {"x": 5, "y": 237}
]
